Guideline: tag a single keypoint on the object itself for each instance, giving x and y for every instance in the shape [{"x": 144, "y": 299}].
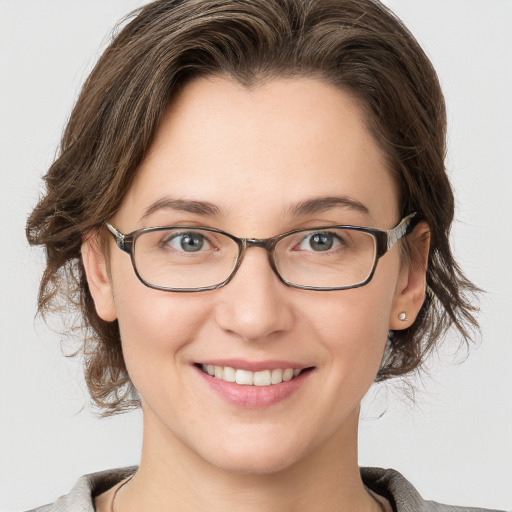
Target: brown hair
[{"x": 358, "y": 45}]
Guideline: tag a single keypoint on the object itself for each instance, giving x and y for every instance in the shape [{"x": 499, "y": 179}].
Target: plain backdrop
[{"x": 454, "y": 444}]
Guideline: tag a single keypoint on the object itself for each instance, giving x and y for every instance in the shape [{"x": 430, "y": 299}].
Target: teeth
[
  {"x": 248, "y": 378},
  {"x": 244, "y": 377},
  {"x": 229, "y": 374},
  {"x": 277, "y": 376},
  {"x": 288, "y": 374},
  {"x": 262, "y": 378}
]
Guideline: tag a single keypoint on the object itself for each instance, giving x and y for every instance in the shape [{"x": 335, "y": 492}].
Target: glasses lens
[
  {"x": 327, "y": 258},
  {"x": 184, "y": 258}
]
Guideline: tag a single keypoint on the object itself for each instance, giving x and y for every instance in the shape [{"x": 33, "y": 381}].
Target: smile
[{"x": 248, "y": 378}]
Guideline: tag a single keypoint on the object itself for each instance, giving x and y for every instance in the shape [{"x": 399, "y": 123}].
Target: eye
[
  {"x": 320, "y": 242},
  {"x": 189, "y": 241}
]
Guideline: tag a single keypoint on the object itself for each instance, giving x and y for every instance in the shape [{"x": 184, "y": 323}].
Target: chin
[
  {"x": 255, "y": 458},
  {"x": 260, "y": 464}
]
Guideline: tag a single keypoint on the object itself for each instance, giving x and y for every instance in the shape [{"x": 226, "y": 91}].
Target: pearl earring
[{"x": 402, "y": 316}]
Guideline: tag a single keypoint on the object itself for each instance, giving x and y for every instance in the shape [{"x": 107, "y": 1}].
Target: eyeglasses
[{"x": 193, "y": 259}]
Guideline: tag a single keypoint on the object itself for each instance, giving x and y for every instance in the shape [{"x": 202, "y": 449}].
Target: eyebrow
[
  {"x": 321, "y": 204},
  {"x": 307, "y": 207},
  {"x": 183, "y": 205}
]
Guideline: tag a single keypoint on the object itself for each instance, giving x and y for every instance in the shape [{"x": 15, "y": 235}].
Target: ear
[
  {"x": 412, "y": 281},
  {"x": 98, "y": 279}
]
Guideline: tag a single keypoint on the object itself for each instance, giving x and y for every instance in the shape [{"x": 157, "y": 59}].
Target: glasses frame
[{"x": 384, "y": 241}]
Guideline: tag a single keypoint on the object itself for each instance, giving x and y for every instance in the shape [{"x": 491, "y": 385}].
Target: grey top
[{"x": 386, "y": 482}]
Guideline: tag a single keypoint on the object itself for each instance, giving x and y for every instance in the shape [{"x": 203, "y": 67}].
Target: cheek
[
  {"x": 359, "y": 345},
  {"x": 155, "y": 327},
  {"x": 354, "y": 319},
  {"x": 354, "y": 326}
]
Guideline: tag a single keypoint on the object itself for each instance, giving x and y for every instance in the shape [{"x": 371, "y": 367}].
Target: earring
[{"x": 402, "y": 316}]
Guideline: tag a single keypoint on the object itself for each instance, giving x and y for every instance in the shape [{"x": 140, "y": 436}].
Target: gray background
[{"x": 454, "y": 443}]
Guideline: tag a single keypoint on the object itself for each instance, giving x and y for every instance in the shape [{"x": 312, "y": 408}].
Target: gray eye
[
  {"x": 187, "y": 242},
  {"x": 319, "y": 242}
]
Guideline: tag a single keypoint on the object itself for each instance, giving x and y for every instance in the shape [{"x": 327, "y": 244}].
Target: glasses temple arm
[
  {"x": 119, "y": 237},
  {"x": 405, "y": 227}
]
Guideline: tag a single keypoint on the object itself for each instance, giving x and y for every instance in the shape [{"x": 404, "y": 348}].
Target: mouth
[
  {"x": 251, "y": 384},
  {"x": 260, "y": 378}
]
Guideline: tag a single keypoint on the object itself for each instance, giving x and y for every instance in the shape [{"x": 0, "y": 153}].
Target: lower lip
[{"x": 254, "y": 397}]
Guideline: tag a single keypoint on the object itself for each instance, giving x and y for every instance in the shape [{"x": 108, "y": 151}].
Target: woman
[{"x": 274, "y": 171}]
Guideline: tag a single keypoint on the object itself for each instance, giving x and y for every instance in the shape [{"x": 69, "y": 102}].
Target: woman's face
[{"x": 255, "y": 163}]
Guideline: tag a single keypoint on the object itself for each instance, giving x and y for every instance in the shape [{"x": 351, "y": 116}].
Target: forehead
[{"x": 259, "y": 151}]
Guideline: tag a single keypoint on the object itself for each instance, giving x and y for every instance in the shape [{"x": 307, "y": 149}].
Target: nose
[{"x": 255, "y": 304}]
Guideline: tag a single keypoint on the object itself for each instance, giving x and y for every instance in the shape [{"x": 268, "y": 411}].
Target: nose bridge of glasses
[
  {"x": 264, "y": 243},
  {"x": 267, "y": 244}
]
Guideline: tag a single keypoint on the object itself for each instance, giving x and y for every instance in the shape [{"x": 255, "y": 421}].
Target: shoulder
[
  {"x": 387, "y": 482},
  {"x": 81, "y": 497},
  {"x": 402, "y": 495}
]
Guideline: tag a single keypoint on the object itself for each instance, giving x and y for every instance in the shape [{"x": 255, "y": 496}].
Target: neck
[{"x": 172, "y": 477}]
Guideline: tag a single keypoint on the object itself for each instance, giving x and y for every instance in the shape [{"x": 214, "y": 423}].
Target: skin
[{"x": 254, "y": 154}]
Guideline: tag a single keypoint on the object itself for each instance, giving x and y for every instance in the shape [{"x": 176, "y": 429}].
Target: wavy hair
[{"x": 357, "y": 45}]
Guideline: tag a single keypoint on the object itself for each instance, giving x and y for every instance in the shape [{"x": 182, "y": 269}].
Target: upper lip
[{"x": 254, "y": 366}]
